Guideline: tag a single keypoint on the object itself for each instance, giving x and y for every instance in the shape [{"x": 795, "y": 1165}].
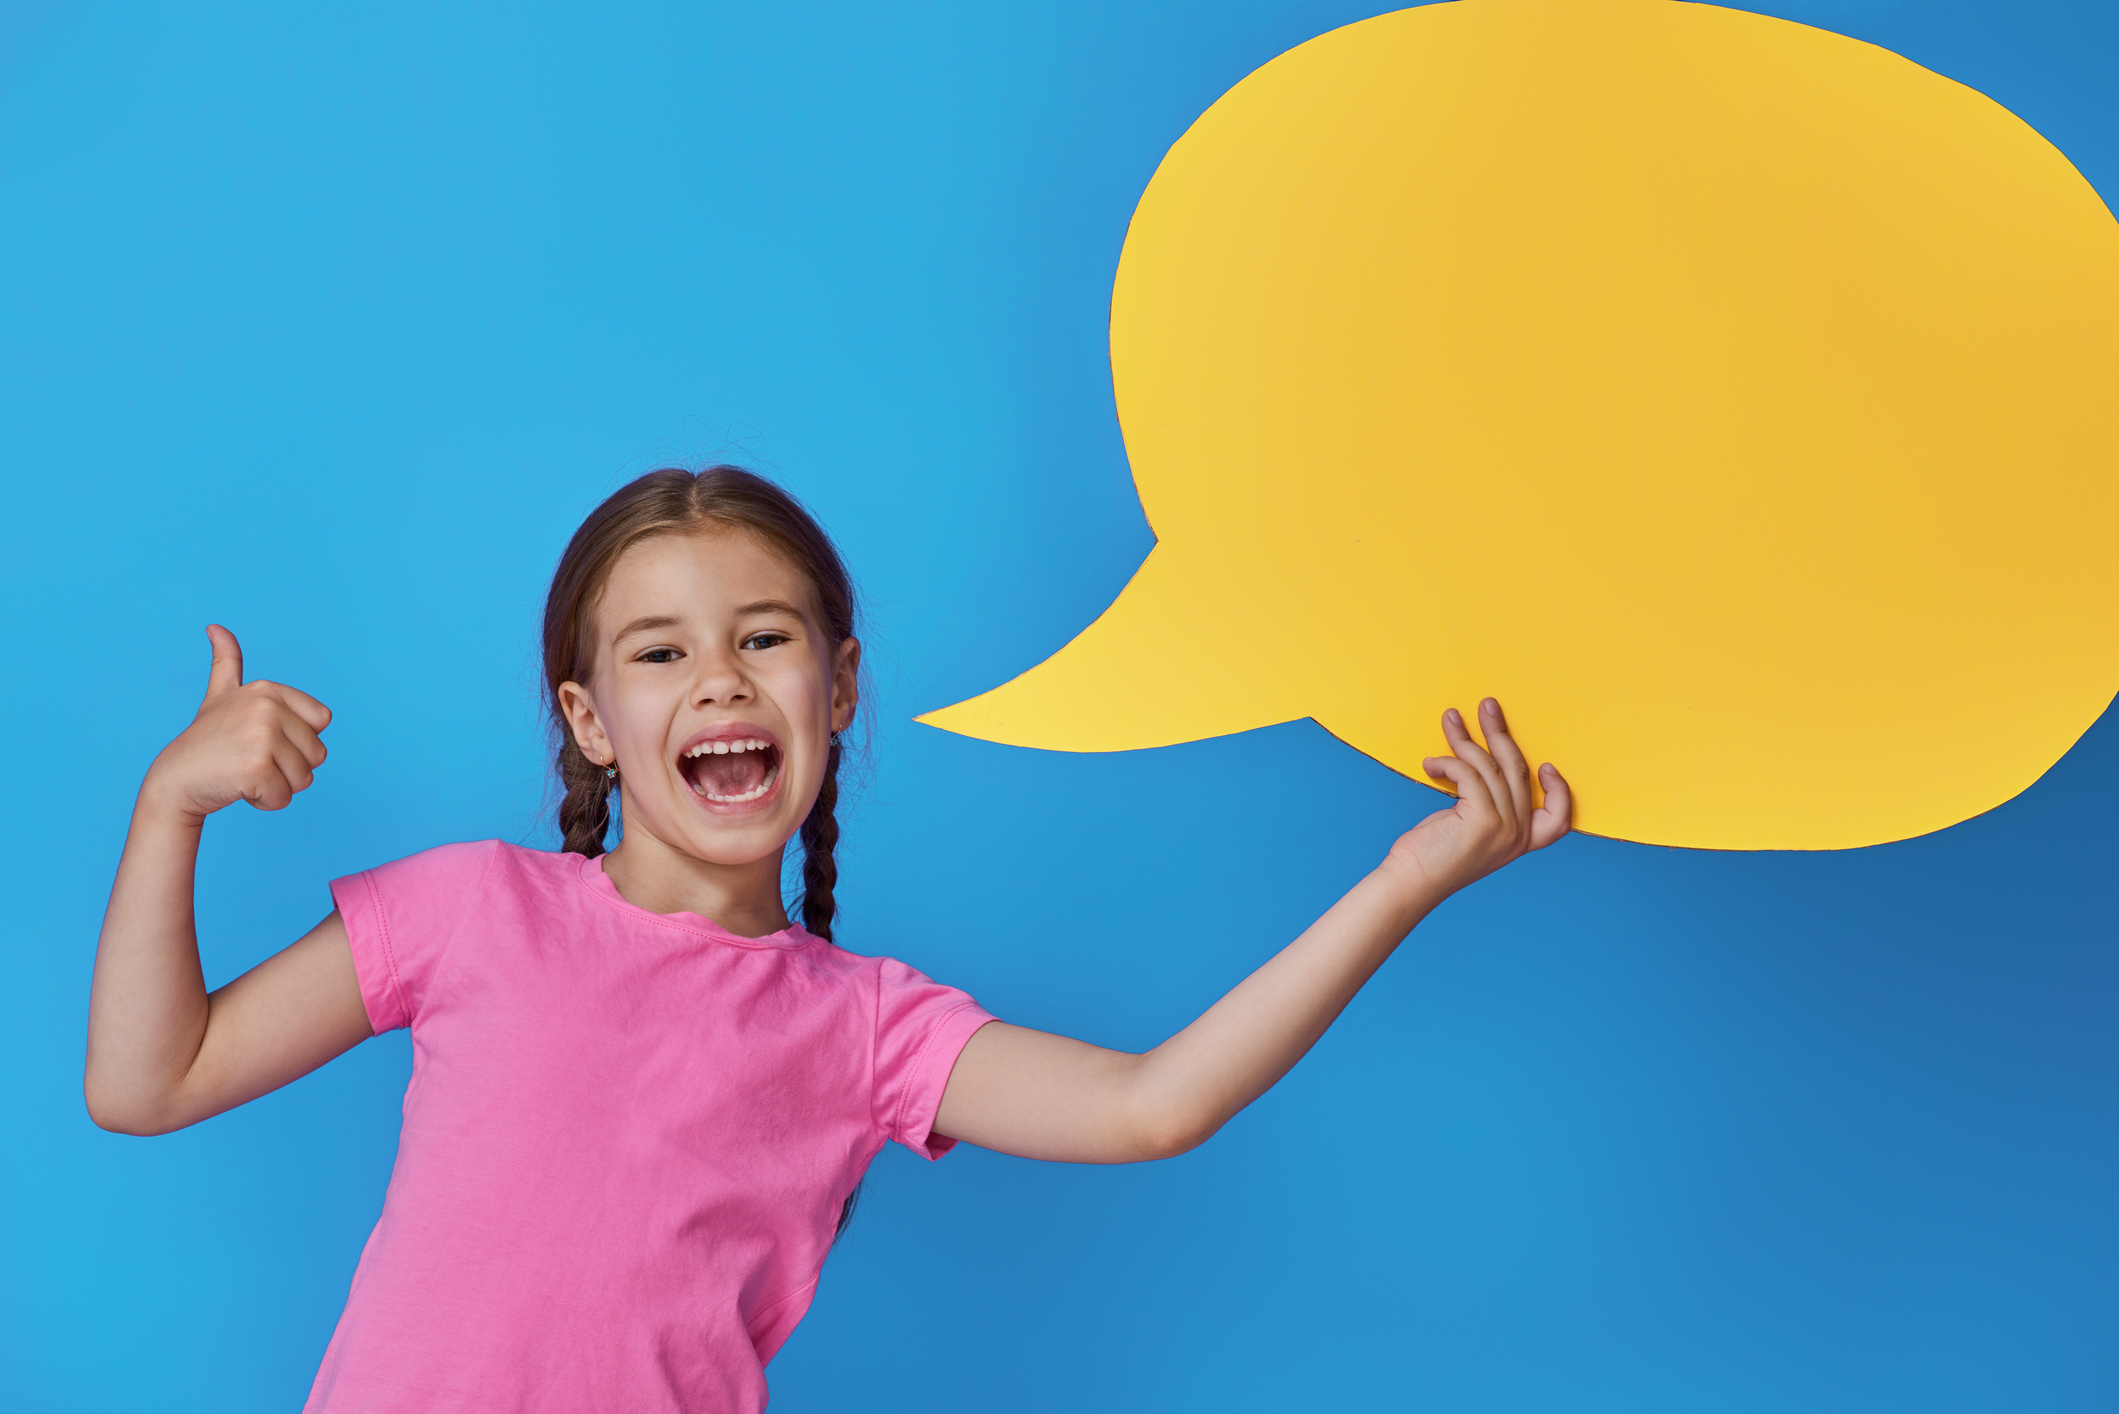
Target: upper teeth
[{"x": 724, "y": 748}]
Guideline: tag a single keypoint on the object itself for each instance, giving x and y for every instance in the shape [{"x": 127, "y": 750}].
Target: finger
[
  {"x": 294, "y": 773},
  {"x": 315, "y": 713},
  {"x": 1474, "y": 755},
  {"x": 306, "y": 742},
  {"x": 1557, "y": 816},
  {"x": 226, "y": 674},
  {"x": 268, "y": 788},
  {"x": 1507, "y": 755},
  {"x": 1473, "y": 793}
]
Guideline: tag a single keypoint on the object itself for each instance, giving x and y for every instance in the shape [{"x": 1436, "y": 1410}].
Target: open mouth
[{"x": 731, "y": 772}]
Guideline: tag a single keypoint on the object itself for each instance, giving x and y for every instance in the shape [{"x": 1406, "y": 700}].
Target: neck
[{"x": 743, "y": 898}]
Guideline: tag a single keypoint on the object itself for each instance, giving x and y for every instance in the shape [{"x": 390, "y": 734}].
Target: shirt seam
[
  {"x": 382, "y": 928},
  {"x": 750, "y": 1325},
  {"x": 710, "y": 933},
  {"x": 919, "y": 1065},
  {"x": 875, "y": 1048}
]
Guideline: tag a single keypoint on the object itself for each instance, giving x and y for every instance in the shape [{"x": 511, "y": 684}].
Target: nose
[{"x": 721, "y": 680}]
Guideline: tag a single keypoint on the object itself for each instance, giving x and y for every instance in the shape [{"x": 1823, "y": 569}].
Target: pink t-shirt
[{"x": 626, "y": 1141}]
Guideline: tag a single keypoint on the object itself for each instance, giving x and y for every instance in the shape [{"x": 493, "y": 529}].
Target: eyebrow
[
  {"x": 646, "y": 625},
  {"x": 772, "y": 606}
]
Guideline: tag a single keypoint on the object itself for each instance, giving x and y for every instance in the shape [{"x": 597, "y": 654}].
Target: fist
[
  {"x": 253, "y": 741},
  {"x": 1493, "y": 820}
]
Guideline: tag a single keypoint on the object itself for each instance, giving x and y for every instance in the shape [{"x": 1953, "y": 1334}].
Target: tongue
[{"x": 737, "y": 773}]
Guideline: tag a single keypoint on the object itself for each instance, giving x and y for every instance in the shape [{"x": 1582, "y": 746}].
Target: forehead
[{"x": 704, "y": 574}]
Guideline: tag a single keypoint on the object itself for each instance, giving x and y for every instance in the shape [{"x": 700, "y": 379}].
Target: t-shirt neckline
[{"x": 600, "y": 886}]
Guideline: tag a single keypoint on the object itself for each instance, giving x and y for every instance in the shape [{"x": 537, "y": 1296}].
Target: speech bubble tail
[{"x": 1143, "y": 674}]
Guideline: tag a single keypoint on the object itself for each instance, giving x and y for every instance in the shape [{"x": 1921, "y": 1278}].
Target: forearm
[
  {"x": 148, "y": 1008},
  {"x": 1043, "y": 1096},
  {"x": 1047, "y": 1097},
  {"x": 162, "y": 1053},
  {"x": 1184, "y": 1090}
]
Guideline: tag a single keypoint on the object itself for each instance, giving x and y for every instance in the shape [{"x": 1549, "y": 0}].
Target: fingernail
[
  {"x": 1456, "y": 719},
  {"x": 1492, "y": 707}
]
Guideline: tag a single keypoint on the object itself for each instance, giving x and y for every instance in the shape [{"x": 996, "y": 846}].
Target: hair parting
[{"x": 674, "y": 501}]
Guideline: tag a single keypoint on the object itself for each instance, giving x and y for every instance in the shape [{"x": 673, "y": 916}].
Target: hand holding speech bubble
[{"x": 1736, "y": 401}]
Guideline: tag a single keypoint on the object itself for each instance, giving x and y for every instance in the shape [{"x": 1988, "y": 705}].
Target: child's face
[{"x": 716, "y": 689}]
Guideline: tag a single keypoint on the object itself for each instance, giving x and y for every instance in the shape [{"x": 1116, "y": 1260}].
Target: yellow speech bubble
[{"x": 1737, "y": 401}]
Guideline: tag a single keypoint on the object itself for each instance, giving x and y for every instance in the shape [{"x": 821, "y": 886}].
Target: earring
[{"x": 610, "y": 773}]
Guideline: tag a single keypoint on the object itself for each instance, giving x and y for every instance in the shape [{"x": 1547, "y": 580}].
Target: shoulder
[
  {"x": 443, "y": 864},
  {"x": 829, "y": 960},
  {"x": 880, "y": 981},
  {"x": 896, "y": 985},
  {"x": 429, "y": 894},
  {"x": 500, "y": 856},
  {"x": 456, "y": 869}
]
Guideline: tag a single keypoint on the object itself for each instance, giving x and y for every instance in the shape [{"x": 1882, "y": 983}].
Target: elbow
[
  {"x": 1165, "y": 1137},
  {"x": 118, "y": 1115},
  {"x": 1161, "y": 1121},
  {"x": 118, "y": 1121}
]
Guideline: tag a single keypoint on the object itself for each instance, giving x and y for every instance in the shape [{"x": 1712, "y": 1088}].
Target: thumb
[{"x": 227, "y": 671}]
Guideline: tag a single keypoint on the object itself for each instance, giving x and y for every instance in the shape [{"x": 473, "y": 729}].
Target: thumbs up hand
[{"x": 253, "y": 741}]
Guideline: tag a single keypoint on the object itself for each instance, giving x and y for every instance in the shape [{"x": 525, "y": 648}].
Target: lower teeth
[{"x": 752, "y": 794}]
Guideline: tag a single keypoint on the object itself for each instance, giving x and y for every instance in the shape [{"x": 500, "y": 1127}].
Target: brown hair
[{"x": 671, "y": 502}]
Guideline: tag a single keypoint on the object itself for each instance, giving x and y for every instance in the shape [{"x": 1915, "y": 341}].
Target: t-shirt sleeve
[
  {"x": 921, "y": 1025},
  {"x": 399, "y": 919}
]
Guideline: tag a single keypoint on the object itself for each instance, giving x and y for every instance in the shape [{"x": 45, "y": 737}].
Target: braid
[
  {"x": 585, "y": 811},
  {"x": 820, "y": 836}
]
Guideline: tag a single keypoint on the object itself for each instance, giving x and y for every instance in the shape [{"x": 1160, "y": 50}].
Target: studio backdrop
[{"x": 1204, "y": 395}]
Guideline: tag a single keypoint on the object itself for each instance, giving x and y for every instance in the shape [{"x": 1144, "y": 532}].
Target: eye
[
  {"x": 768, "y": 639},
  {"x": 658, "y": 655}
]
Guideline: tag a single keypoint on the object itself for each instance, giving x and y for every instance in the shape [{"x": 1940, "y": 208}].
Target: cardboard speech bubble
[{"x": 1732, "y": 399}]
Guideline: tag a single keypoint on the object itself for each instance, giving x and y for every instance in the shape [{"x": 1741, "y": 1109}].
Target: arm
[
  {"x": 1047, "y": 1097},
  {"x": 163, "y": 1052}
]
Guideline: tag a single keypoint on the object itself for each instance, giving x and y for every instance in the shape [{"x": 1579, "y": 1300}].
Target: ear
[
  {"x": 580, "y": 709},
  {"x": 845, "y": 684}
]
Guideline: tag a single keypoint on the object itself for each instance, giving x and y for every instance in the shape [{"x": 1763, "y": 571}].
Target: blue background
[{"x": 329, "y": 322}]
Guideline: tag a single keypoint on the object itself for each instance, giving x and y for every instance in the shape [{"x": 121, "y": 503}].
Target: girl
[{"x": 641, "y": 1098}]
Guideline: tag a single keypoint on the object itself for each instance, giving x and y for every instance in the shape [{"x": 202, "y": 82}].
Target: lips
[{"x": 731, "y": 770}]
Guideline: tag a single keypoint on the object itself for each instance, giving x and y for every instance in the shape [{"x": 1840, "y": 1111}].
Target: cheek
[
  {"x": 635, "y": 723},
  {"x": 803, "y": 697}
]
